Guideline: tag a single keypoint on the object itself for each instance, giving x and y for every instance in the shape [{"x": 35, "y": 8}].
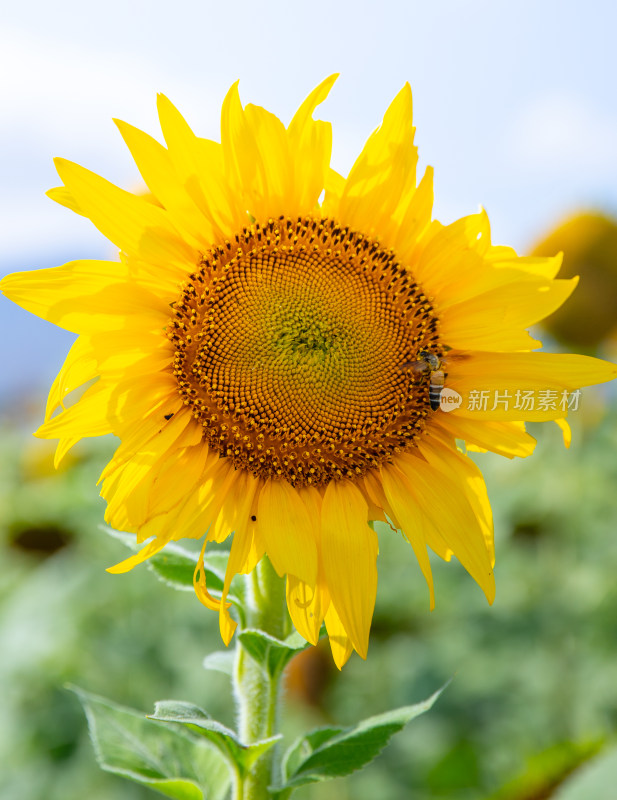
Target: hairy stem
[{"x": 258, "y": 695}]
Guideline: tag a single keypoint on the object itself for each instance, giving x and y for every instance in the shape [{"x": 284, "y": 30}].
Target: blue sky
[{"x": 514, "y": 102}]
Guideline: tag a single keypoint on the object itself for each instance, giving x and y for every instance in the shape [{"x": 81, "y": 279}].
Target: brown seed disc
[{"x": 289, "y": 343}]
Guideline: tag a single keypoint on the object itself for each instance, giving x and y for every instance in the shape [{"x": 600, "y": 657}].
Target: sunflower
[{"x": 270, "y": 347}]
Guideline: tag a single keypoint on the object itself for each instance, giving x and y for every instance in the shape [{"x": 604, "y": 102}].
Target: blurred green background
[{"x": 533, "y": 690}]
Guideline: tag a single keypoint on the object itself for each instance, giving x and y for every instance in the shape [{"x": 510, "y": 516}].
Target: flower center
[{"x": 289, "y": 344}]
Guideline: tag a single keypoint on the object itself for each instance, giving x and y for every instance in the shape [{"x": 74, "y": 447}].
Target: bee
[{"x": 429, "y": 361}]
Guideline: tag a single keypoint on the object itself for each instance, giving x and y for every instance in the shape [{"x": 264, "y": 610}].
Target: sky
[{"x": 514, "y": 104}]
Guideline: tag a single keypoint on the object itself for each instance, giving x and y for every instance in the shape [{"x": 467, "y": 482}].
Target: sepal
[{"x": 270, "y": 653}]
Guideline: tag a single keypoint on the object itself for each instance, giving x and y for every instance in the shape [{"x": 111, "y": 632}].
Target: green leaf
[
  {"x": 175, "y": 566},
  {"x": 297, "y": 752},
  {"x": 273, "y": 654},
  {"x": 332, "y": 752},
  {"x": 198, "y": 721},
  {"x": 221, "y": 661},
  {"x": 170, "y": 761}
]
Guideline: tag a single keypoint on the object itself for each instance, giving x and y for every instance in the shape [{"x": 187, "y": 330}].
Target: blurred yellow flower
[
  {"x": 589, "y": 244},
  {"x": 273, "y": 362}
]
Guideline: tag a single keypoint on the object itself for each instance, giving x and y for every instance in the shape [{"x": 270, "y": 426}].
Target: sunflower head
[
  {"x": 272, "y": 346},
  {"x": 288, "y": 344}
]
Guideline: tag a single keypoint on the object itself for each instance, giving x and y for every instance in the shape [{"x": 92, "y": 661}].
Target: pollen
[{"x": 289, "y": 341}]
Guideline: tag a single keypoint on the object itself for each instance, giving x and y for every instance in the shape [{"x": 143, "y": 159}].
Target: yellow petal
[
  {"x": 383, "y": 173},
  {"x": 334, "y": 184},
  {"x": 88, "y": 417},
  {"x": 286, "y": 528},
  {"x": 522, "y": 386},
  {"x": 505, "y": 438},
  {"x": 245, "y": 164},
  {"x": 400, "y": 496},
  {"x": 161, "y": 524},
  {"x": 235, "y": 139},
  {"x": 203, "y": 505},
  {"x": 129, "y": 221},
  {"x": 414, "y": 217},
  {"x": 142, "y": 351},
  {"x": 375, "y": 510},
  {"x": 566, "y": 432},
  {"x": 506, "y": 259},
  {"x": 496, "y": 320},
  {"x": 62, "y": 196},
  {"x": 373, "y": 486},
  {"x": 128, "y": 489},
  {"x": 236, "y": 510},
  {"x": 303, "y": 118},
  {"x": 200, "y": 168},
  {"x": 310, "y": 143},
  {"x": 86, "y": 296},
  {"x": 340, "y": 643},
  {"x": 273, "y": 187},
  {"x": 349, "y": 552},
  {"x": 149, "y": 409},
  {"x": 64, "y": 445},
  {"x": 179, "y": 477},
  {"x": 158, "y": 171},
  {"x": 149, "y": 550},
  {"x": 180, "y": 139},
  {"x": 199, "y": 583},
  {"x": 465, "y": 474},
  {"x": 447, "y": 509},
  {"x": 307, "y": 604},
  {"x": 141, "y": 405},
  {"x": 451, "y": 266},
  {"x": 246, "y": 551},
  {"x": 79, "y": 367}
]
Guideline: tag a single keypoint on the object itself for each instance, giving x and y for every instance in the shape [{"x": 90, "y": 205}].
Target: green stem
[
  {"x": 258, "y": 696},
  {"x": 238, "y": 792}
]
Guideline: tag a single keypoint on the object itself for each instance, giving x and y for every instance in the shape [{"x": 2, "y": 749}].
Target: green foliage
[
  {"x": 535, "y": 669},
  {"x": 220, "y": 661},
  {"x": 170, "y": 761},
  {"x": 175, "y": 567},
  {"x": 271, "y": 653},
  {"x": 193, "y": 718},
  {"x": 547, "y": 770},
  {"x": 179, "y": 762},
  {"x": 333, "y": 752}
]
